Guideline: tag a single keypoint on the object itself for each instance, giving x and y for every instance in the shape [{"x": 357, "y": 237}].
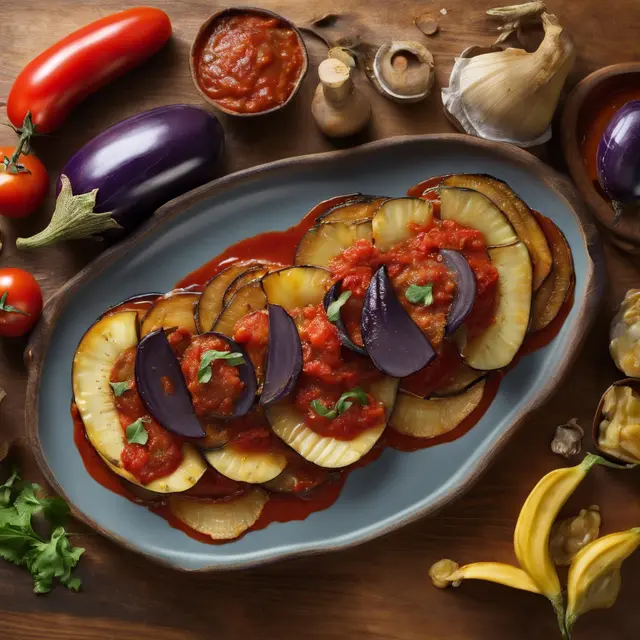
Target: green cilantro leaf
[
  {"x": 8, "y": 308},
  {"x": 342, "y": 405},
  {"x": 333, "y": 310},
  {"x": 204, "y": 372},
  {"x": 322, "y": 410},
  {"x": 420, "y": 294},
  {"x": 7, "y": 488},
  {"x": 136, "y": 433},
  {"x": 120, "y": 387},
  {"x": 55, "y": 509}
]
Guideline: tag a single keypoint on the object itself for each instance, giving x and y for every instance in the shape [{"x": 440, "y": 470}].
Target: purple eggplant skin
[
  {"x": 465, "y": 294},
  {"x": 144, "y": 161},
  {"x": 618, "y": 155},
  {"x": 284, "y": 356},
  {"x": 331, "y": 296},
  {"x": 156, "y": 362},
  {"x": 394, "y": 342}
]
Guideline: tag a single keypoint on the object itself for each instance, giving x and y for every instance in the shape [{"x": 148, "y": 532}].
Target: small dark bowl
[
  {"x": 203, "y": 32},
  {"x": 575, "y": 119}
]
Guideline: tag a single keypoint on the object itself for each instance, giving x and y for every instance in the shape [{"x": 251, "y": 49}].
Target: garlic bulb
[
  {"x": 511, "y": 95},
  {"x": 625, "y": 335}
]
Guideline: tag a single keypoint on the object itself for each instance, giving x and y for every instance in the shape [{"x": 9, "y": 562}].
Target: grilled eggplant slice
[
  {"x": 250, "y": 275},
  {"x": 498, "y": 345},
  {"x": 472, "y": 209},
  {"x": 358, "y": 209},
  {"x": 289, "y": 425},
  {"x": 92, "y": 364},
  {"x": 521, "y": 217},
  {"x": 223, "y": 520},
  {"x": 300, "y": 477},
  {"x": 464, "y": 378},
  {"x": 246, "y": 300},
  {"x": 331, "y": 296},
  {"x": 324, "y": 242},
  {"x": 140, "y": 303},
  {"x": 295, "y": 287},
  {"x": 432, "y": 417},
  {"x": 175, "y": 309},
  {"x": 553, "y": 292},
  {"x": 465, "y": 288},
  {"x": 246, "y": 466},
  {"x": 391, "y": 222}
]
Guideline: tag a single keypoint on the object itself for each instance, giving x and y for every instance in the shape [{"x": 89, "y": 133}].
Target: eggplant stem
[
  {"x": 618, "y": 210},
  {"x": 73, "y": 218}
]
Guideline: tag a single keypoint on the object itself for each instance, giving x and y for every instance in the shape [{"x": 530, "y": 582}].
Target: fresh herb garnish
[
  {"x": 204, "y": 372},
  {"x": 136, "y": 432},
  {"x": 420, "y": 294},
  {"x": 342, "y": 405},
  {"x": 8, "y": 308},
  {"x": 120, "y": 387},
  {"x": 333, "y": 310},
  {"x": 21, "y": 545}
]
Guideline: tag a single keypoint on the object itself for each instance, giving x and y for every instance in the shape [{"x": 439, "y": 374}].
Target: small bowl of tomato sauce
[{"x": 247, "y": 61}]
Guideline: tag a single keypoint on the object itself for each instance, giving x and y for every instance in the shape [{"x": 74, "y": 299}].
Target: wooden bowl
[
  {"x": 626, "y": 234},
  {"x": 203, "y": 32}
]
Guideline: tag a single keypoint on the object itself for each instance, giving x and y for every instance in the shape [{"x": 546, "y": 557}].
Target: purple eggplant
[
  {"x": 618, "y": 158},
  {"x": 465, "y": 288},
  {"x": 331, "y": 296},
  {"x": 156, "y": 363},
  {"x": 393, "y": 341},
  {"x": 126, "y": 172},
  {"x": 284, "y": 357}
]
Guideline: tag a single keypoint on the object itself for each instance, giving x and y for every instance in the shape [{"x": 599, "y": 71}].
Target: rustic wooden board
[{"x": 380, "y": 590}]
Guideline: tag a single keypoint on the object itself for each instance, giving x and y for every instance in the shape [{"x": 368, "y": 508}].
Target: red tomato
[
  {"x": 21, "y": 193},
  {"x": 61, "y": 77},
  {"x": 20, "y": 302}
]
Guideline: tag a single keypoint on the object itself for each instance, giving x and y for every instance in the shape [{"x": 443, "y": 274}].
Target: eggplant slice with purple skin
[
  {"x": 284, "y": 356},
  {"x": 358, "y": 209},
  {"x": 331, "y": 296},
  {"x": 246, "y": 300},
  {"x": 156, "y": 363},
  {"x": 174, "y": 310},
  {"x": 296, "y": 287},
  {"x": 141, "y": 303},
  {"x": 394, "y": 342},
  {"x": 392, "y": 222},
  {"x": 325, "y": 241},
  {"x": 465, "y": 288}
]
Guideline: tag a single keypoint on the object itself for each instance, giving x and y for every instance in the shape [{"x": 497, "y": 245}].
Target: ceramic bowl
[{"x": 203, "y": 32}]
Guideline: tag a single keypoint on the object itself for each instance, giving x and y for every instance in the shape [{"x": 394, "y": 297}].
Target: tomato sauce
[{"x": 249, "y": 63}]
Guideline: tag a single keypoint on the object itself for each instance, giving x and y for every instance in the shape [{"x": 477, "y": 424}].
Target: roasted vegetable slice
[
  {"x": 472, "y": 209},
  {"x": 250, "y": 275},
  {"x": 358, "y": 209},
  {"x": 391, "y": 222},
  {"x": 140, "y": 303},
  {"x": 498, "y": 345},
  {"x": 223, "y": 520},
  {"x": 296, "y": 287},
  {"x": 432, "y": 417},
  {"x": 176, "y": 309},
  {"x": 553, "y": 292},
  {"x": 299, "y": 477},
  {"x": 248, "y": 299},
  {"x": 324, "y": 242},
  {"x": 465, "y": 294},
  {"x": 332, "y": 296},
  {"x": 254, "y": 467},
  {"x": 92, "y": 364},
  {"x": 519, "y": 214},
  {"x": 289, "y": 424},
  {"x": 464, "y": 378}
]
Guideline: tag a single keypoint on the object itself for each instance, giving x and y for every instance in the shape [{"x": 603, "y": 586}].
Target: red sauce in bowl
[{"x": 249, "y": 63}]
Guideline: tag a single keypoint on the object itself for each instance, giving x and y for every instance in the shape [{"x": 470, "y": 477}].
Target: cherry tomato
[
  {"x": 20, "y": 302},
  {"x": 61, "y": 77},
  {"x": 21, "y": 191}
]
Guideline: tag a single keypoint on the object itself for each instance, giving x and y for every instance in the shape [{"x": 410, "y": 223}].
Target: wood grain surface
[{"x": 379, "y": 590}]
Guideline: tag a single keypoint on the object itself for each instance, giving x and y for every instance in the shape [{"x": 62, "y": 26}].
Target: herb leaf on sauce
[
  {"x": 120, "y": 387},
  {"x": 342, "y": 405},
  {"x": 333, "y": 310},
  {"x": 8, "y": 308},
  {"x": 136, "y": 432},
  {"x": 204, "y": 372},
  {"x": 420, "y": 294}
]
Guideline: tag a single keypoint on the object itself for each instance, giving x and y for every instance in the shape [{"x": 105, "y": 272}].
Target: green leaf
[
  {"x": 16, "y": 541},
  {"x": 420, "y": 294},
  {"x": 7, "y": 488},
  {"x": 342, "y": 405},
  {"x": 120, "y": 387},
  {"x": 204, "y": 372},
  {"x": 136, "y": 433},
  {"x": 7, "y": 308},
  {"x": 333, "y": 310},
  {"x": 323, "y": 410},
  {"x": 27, "y": 504}
]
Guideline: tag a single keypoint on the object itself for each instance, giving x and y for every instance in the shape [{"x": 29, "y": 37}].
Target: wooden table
[{"x": 379, "y": 590}]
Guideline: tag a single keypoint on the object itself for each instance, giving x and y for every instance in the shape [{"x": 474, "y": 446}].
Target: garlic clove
[
  {"x": 511, "y": 95},
  {"x": 567, "y": 440}
]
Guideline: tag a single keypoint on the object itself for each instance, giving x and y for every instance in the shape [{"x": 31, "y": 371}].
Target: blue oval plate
[{"x": 398, "y": 487}]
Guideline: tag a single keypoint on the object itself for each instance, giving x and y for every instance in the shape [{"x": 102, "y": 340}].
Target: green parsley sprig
[
  {"x": 420, "y": 294},
  {"x": 333, "y": 310},
  {"x": 342, "y": 405},
  {"x": 204, "y": 372}
]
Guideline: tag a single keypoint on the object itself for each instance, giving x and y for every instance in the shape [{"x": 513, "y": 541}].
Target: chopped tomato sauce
[
  {"x": 252, "y": 332},
  {"x": 216, "y": 397},
  {"x": 249, "y": 63}
]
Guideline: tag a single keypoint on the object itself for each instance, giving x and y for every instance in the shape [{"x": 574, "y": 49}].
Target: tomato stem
[{"x": 27, "y": 130}]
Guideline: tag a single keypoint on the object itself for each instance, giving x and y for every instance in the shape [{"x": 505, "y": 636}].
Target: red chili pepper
[{"x": 61, "y": 77}]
